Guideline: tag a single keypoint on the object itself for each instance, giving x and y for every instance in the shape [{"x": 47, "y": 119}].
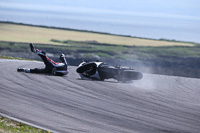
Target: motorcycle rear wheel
[{"x": 128, "y": 75}]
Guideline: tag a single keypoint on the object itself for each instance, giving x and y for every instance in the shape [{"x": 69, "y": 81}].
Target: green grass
[
  {"x": 10, "y": 126},
  {"x": 76, "y": 48},
  {"x": 14, "y": 58},
  {"x": 89, "y": 44},
  {"x": 178, "y": 51},
  {"x": 107, "y": 50},
  {"x": 9, "y": 57},
  {"x": 47, "y": 35}
]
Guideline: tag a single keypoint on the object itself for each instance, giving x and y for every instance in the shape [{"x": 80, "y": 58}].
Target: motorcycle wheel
[{"x": 128, "y": 75}]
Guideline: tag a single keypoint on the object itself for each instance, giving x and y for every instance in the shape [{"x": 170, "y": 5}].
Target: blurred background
[{"x": 153, "y": 36}]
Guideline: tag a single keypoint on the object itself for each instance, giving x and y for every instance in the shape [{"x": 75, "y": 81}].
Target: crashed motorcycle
[{"x": 101, "y": 71}]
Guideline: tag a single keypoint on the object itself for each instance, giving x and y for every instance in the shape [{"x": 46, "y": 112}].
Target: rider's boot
[
  {"x": 32, "y": 48},
  {"x": 20, "y": 69},
  {"x": 23, "y": 70}
]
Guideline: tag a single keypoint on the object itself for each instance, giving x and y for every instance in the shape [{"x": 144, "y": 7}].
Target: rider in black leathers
[{"x": 50, "y": 66}]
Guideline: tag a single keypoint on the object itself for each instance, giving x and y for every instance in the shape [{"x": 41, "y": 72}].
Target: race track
[{"x": 155, "y": 104}]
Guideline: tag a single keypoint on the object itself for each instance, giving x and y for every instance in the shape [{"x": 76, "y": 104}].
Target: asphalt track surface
[{"x": 68, "y": 104}]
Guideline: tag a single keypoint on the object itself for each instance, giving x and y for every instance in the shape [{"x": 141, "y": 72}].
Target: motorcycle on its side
[{"x": 102, "y": 71}]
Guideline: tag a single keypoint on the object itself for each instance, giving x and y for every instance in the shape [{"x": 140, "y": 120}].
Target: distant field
[{"x": 24, "y": 33}]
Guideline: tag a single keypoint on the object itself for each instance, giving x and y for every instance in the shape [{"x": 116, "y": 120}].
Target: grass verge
[
  {"x": 9, "y": 57},
  {"x": 14, "y": 58},
  {"x": 10, "y": 126},
  {"x": 83, "y": 50}
]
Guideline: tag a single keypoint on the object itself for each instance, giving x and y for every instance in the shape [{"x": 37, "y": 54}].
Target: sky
[{"x": 187, "y": 8}]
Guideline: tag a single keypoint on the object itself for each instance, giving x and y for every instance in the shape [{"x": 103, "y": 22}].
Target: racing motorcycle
[{"x": 101, "y": 71}]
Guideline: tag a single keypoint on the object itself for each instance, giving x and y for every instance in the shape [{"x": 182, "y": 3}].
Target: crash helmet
[{"x": 62, "y": 57}]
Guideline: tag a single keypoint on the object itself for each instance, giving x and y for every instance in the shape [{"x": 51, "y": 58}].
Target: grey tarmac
[{"x": 155, "y": 104}]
